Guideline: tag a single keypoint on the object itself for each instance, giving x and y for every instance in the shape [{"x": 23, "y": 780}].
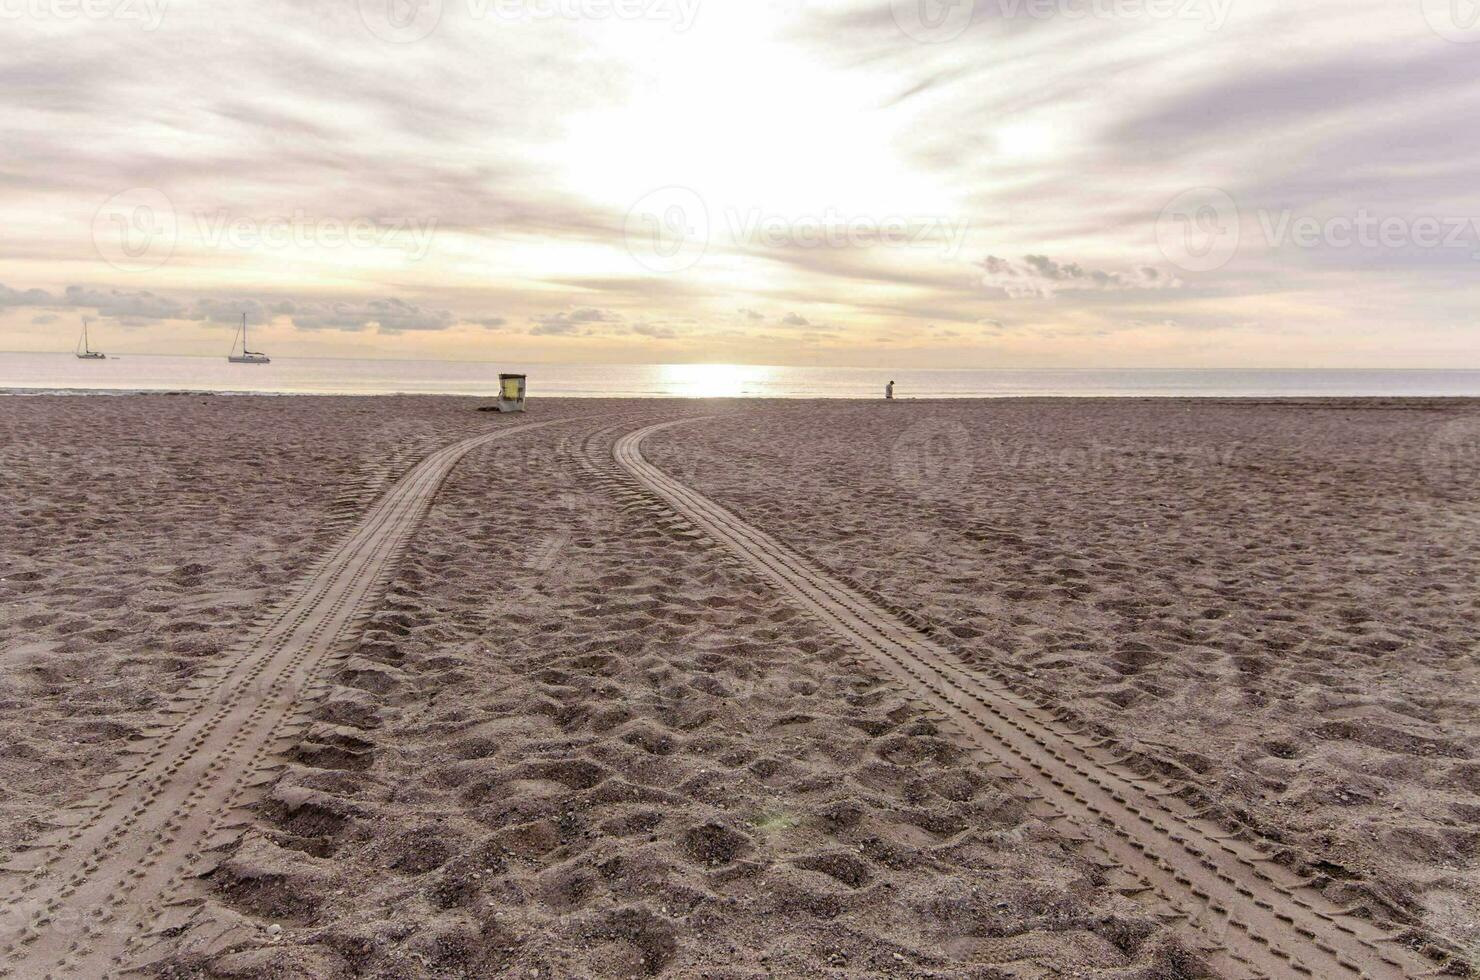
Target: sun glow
[
  {"x": 711, "y": 380},
  {"x": 1026, "y": 140}
]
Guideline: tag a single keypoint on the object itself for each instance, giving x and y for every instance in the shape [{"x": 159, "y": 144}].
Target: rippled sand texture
[
  {"x": 575, "y": 739},
  {"x": 139, "y": 534},
  {"x": 575, "y": 743},
  {"x": 1273, "y": 603}
]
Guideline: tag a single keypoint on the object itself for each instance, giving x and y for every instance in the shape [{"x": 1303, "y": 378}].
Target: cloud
[
  {"x": 230, "y": 311},
  {"x": 1293, "y": 94},
  {"x": 573, "y": 323},
  {"x": 44, "y": 319},
  {"x": 1011, "y": 125},
  {"x": 1040, "y": 277},
  {"x": 28, "y": 297},
  {"x": 388, "y": 316},
  {"x": 141, "y": 307},
  {"x": 656, "y": 331},
  {"x": 795, "y": 320},
  {"x": 555, "y": 327}
]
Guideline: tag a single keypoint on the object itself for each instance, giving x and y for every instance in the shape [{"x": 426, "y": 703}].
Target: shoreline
[{"x": 534, "y": 400}]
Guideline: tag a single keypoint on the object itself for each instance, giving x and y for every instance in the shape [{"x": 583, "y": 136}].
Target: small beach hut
[{"x": 511, "y": 389}]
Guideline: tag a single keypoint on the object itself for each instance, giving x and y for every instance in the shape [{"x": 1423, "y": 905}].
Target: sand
[
  {"x": 1275, "y": 603},
  {"x": 573, "y": 740}
]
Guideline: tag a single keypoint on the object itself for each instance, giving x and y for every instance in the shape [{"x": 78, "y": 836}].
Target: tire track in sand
[
  {"x": 1264, "y": 919},
  {"x": 85, "y": 899}
]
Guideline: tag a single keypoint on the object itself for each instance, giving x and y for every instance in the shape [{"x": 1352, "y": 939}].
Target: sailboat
[
  {"x": 84, "y": 351},
  {"x": 246, "y": 356}
]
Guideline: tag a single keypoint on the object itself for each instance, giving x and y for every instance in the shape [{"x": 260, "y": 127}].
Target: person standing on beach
[{"x": 889, "y": 392}]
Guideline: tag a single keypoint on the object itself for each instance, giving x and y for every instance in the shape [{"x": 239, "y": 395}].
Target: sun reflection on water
[{"x": 712, "y": 380}]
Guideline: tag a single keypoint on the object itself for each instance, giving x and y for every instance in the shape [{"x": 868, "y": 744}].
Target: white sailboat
[
  {"x": 246, "y": 356},
  {"x": 84, "y": 351}
]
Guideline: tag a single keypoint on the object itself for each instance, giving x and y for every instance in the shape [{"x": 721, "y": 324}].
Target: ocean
[{"x": 34, "y": 373}]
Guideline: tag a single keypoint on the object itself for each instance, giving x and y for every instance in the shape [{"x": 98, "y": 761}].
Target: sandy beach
[{"x": 570, "y": 729}]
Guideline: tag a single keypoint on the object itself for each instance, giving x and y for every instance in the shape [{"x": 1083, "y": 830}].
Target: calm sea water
[{"x": 63, "y": 372}]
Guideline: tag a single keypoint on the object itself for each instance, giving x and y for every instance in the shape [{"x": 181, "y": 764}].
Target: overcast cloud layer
[{"x": 1009, "y": 182}]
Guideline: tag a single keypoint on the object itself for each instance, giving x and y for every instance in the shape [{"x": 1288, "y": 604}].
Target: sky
[{"x": 922, "y": 183}]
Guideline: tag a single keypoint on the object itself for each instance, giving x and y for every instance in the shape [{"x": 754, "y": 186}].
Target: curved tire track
[
  {"x": 1265, "y": 919},
  {"x": 84, "y": 899}
]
